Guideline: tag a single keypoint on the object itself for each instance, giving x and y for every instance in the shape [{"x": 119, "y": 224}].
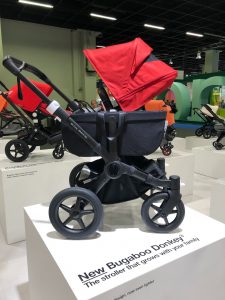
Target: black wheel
[
  {"x": 166, "y": 151},
  {"x": 17, "y": 150},
  {"x": 31, "y": 148},
  {"x": 199, "y": 132},
  {"x": 218, "y": 146},
  {"x": 75, "y": 175},
  {"x": 76, "y": 213},
  {"x": 214, "y": 144},
  {"x": 154, "y": 217},
  {"x": 58, "y": 152},
  {"x": 207, "y": 133}
]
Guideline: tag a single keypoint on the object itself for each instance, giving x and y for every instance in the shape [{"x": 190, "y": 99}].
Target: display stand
[
  {"x": 126, "y": 263},
  {"x": 217, "y": 203},
  {"x": 27, "y": 183},
  {"x": 182, "y": 164},
  {"x": 179, "y": 144},
  {"x": 194, "y": 141},
  {"x": 209, "y": 161}
]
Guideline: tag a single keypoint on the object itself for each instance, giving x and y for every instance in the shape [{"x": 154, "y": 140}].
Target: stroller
[
  {"x": 10, "y": 123},
  {"x": 170, "y": 132},
  {"x": 207, "y": 130},
  {"x": 34, "y": 132},
  {"x": 121, "y": 139},
  {"x": 219, "y": 127}
]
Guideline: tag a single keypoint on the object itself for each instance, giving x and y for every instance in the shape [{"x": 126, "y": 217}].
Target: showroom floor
[{"x": 13, "y": 266}]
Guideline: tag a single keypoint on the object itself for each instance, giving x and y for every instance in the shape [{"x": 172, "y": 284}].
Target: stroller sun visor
[
  {"x": 206, "y": 112},
  {"x": 3, "y": 103},
  {"x": 30, "y": 101},
  {"x": 131, "y": 72}
]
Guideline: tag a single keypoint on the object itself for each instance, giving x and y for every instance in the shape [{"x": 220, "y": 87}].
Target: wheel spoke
[
  {"x": 166, "y": 220},
  {"x": 156, "y": 217},
  {"x": 155, "y": 207},
  {"x": 86, "y": 212},
  {"x": 70, "y": 218},
  {"x": 81, "y": 223},
  {"x": 66, "y": 208},
  {"x": 174, "y": 211}
]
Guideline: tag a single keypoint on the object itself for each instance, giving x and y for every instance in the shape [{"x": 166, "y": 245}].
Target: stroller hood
[
  {"x": 29, "y": 100},
  {"x": 131, "y": 72}
]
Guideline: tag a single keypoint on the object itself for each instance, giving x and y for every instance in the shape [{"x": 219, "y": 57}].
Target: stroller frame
[
  {"x": 207, "y": 129},
  {"x": 114, "y": 168}
]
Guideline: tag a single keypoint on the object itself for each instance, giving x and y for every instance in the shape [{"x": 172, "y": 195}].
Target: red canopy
[
  {"x": 30, "y": 101},
  {"x": 131, "y": 72}
]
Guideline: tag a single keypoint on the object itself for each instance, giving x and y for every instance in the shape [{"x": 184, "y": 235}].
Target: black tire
[
  {"x": 199, "y": 132},
  {"x": 214, "y": 144},
  {"x": 207, "y": 133},
  {"x": 58, "y": 153},
  {"x": 74, "y": 174},
  {"x": 218, "y": 146},
  {"x": 166, "y": 151},
  {"x": 17, "y": 150},
  {"x": 76, "y": 213},
  {"x": 153, "y": 221}
]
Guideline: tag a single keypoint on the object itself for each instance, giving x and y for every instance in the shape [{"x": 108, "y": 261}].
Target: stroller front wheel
[
  {"x": 76, "y": 213},
  {"x": 207, "y": 134},
  {"x": 154, "y": 217},
  {"x": 58, "y": 152},
  {"x": 17, "y": 150},
  {"x": 166, "y": 150}
]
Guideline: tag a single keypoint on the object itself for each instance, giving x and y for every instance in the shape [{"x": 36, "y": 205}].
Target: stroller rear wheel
[
  {"x": 31, "y": 148},
  {"x": 17, "y": 150},
  {"x": 76, "y": 213},
  {"x": 80, "y": 174},
  {"x": 153, "y": 214},
  {"x": 207, "y": 133},
  {"x": 199, "y": 132}
]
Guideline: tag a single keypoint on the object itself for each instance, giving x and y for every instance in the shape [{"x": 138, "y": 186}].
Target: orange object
[
  {"x": 3, "y": 103},
  {"x": 160, "y": 105}
]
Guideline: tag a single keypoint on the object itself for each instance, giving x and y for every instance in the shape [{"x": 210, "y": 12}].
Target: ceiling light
[
  {"x": 98, "y": 46},
  {"x": 198, "y": 55},
  {"x": 103, "y": 17},
  {"x": 170, "y": 62},
  {"x": 194, "y": 34},
  {"x": 36, "y": 3},
  {"x": 154, "y": 27}
]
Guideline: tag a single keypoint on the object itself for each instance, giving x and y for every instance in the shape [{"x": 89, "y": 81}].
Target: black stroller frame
[
  {"x": 33, "y": 134},
  {"x": 219, "y": 127},
  {"x": 82, "y": 214},
  {"x": 8, "y": 118},
  {"x": 207, "y": 130}
]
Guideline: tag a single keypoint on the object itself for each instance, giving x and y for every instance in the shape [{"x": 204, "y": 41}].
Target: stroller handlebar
[{"x": 15, "y": 66}]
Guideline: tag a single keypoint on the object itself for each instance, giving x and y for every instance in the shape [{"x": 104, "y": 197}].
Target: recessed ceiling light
[
  {"x": 36, "y": 3},
  {"x": 103, "y": 17},
  {"x": 194, "y": 34},
  {"x": 154, "y": 27},
  {"x": 98, "y": 46}
]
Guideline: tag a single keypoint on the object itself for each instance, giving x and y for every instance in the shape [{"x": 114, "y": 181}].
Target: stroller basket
[{"x": 135, "y": 133}]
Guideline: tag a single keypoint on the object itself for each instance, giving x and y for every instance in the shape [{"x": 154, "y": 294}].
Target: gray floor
[{"x": 13, "y": 265}]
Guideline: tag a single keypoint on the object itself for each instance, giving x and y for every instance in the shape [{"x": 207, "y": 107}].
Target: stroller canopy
[
  {"x": 131, "y": 72},
  {"x": 29, "y": 100}
]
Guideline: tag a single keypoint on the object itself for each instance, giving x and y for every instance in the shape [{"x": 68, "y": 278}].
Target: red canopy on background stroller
[
  {"x": 131, "y": 72},
  {"x": 123, "y": 173}
]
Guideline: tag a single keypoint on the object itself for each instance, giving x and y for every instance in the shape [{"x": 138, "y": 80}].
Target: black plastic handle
[{"x": 15, "y": 66}]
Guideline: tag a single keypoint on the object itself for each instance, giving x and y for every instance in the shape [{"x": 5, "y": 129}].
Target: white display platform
[
  {"x": 179, "y": 163},
  {"x": 209, "y": 161},
  {"x": 27, "y": 183},
  {"x": 194, "y": 141},
  {"x": 217, "y": 203},
  {"x": 126, "y": 263},
  {"x": 179, "y": 143}
]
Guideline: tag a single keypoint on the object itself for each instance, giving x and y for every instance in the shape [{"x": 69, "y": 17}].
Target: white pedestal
[
  {"x": 27, "y": 183},
  {"x": 217, "y": 203},
  {"x": 127, "y": 263},
  {"x": 182, "y": 164},
  {"x": 3, "y": 142},
  {"x": 194, "y": 141},
  {"x": 209, "y": 161},
  {"x": 179, "y": 144}
]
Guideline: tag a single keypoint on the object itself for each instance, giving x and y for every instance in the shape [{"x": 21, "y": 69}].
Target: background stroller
[
  {"x": 219, "y": 127},
  {"x": 170, "y": 133},
  {"x": 121, "y": 139},
  {"x": 10, "y": 122},
  {"x": 34, "y": 115},
  {"x": 207, "y": 130}
]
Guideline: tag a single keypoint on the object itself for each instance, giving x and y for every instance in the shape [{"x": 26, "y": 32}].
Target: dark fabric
[{"x": 140, "y": 133}]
